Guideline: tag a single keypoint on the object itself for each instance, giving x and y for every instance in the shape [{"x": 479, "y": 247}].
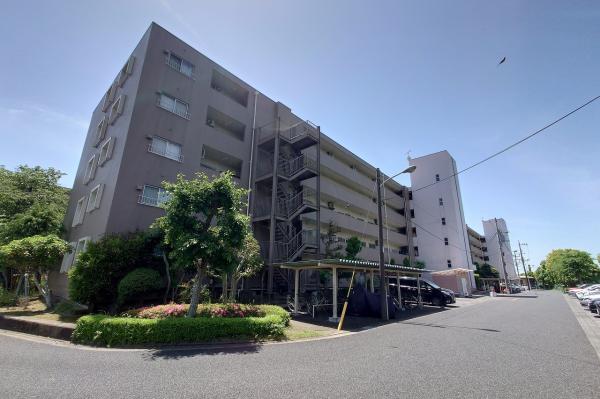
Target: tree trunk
[
  {"x": 19, "y": 285},
  {"x": 234, "y": 283},
  {"x": 195, "y": 292},
  {"x": 224, "y": 284},
  {"x": 168, "y": 274},
  {"x": 43, "y": 289}
]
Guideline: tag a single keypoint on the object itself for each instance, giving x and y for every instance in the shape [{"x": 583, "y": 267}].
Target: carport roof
[{"x": 349, "y": 264}]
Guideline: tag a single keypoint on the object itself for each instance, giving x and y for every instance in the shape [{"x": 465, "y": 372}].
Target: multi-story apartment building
[
  {"x": 498, "y": 247},
  {"x": 477, "y": 246},
  {"x": 172, "y": 110},
  {"x": 441, "y": 237}
]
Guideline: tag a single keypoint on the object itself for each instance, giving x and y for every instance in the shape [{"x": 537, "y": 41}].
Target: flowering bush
[{"x": 216, "y": 310}]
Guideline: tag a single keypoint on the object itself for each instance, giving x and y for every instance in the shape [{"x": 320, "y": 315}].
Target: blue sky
[{"x": 383, "y": 78}]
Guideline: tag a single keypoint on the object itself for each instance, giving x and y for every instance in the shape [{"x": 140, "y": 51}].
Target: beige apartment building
[
  {"x": 478, "y": 246},
  {"x": 172, "y": 110}
]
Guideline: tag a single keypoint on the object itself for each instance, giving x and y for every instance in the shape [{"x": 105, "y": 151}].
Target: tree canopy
[
  {"x": 353, "y": 247},
  {"x": 569, "y": 267},
  {"x": 204, "y": 225}
]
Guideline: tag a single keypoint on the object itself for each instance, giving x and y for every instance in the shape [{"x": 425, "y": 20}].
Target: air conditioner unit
[
  {"x": 210, "y": 122},
  {"x": 330, "y": 205},
  {"x": 139, "y": 188}
]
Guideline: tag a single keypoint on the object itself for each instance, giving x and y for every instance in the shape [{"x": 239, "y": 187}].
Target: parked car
[
  {"x": 584, "y": 292},
  {"x": 588, "y": 299},
  {"x": 431, "y": 293},
  {"x": 580, "y": 287},
  {"x": 514, "y": 289},
  {"x": 450, "y": 296},
  {"x": 593, "y": 305}
]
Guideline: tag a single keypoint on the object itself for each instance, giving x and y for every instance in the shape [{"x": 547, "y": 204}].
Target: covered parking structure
[{"x": 360, "y": 266}]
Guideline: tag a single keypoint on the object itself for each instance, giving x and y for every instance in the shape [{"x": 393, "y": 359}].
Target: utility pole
[
  {"x": 500, "y": 241},
  {"x": 382, "y": 284},
  {"x": 524, "y": 268}
]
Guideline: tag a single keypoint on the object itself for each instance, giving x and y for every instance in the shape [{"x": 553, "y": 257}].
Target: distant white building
[
  {"x": 498, "y": 246},
  {"x": 439, "y": 219}
]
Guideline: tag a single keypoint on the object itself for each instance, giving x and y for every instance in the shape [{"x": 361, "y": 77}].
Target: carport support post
[
  {"x": 419, "y": 299},
  {"x": 334, "y": 280},
  {"x": 372, "y": 282},
  {"x": 399, "y": 291},
  {"x": 296, "y": 286}
]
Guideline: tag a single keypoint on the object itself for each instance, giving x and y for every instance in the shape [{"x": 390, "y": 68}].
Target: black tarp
[{"x": 366, "y": 304}]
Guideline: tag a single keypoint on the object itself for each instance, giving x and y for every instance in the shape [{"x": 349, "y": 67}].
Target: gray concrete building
[
  {"x": 478, "y": 247},
  {"x": 172, "y": 110}
]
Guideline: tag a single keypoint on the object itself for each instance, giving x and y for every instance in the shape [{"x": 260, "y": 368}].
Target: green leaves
[
  {"x": 353, "y": 247},
  {"x": 569, "y": 267},
  {"x": 34, "y": 252},
  {"x": 203, "y": 221}
]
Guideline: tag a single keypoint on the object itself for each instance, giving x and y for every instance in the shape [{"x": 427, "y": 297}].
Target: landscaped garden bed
[{"x": 167, "y": 324}]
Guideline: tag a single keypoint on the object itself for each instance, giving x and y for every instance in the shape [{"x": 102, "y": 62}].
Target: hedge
[{"x": 105, "y": 330}]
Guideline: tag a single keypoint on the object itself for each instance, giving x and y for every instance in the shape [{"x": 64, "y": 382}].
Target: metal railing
[
  {"x": 152, "y": 201},
  {"x": 306, "y": 197},
  {"x": 183, "y": 113},
  {"x": 164, "y": 153}
]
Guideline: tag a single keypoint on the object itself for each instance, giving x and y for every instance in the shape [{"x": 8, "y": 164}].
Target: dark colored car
[
  {"x": 450, "y": 296},
  {"x": 594, "y": 306},
  {"x": 431, "y": 293}
]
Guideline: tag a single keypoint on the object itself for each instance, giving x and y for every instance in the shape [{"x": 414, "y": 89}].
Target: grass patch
[{"x": 37, "y": 309}]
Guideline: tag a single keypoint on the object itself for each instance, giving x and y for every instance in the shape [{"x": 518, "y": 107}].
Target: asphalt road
[{"x": 497, "y": 347}]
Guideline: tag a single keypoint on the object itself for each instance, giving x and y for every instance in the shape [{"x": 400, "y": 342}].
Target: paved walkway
[{"x": 496, "y": 348}]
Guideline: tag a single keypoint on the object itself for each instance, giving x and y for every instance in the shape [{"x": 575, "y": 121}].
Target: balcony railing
[
  {"x": 165, "y": 153},
  {"x": 151, "y": 201},
  {"x": 180, "y": 112}
]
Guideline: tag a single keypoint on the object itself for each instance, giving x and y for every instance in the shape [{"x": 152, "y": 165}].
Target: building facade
[
  {"x": 441, "y": 238},
  {"x": 498, "y": 248},
  {"x": 477, "y": 246},
  {"x": 172, "y": 110}
]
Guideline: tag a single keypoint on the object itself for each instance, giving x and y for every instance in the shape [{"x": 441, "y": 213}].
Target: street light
[{"x": 383, "y": 287}]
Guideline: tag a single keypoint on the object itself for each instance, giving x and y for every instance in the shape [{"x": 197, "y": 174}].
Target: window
[
  {"x": 416, "y": 251},
  {"x": 441, "y": 201},
  {"x": 412, "y": 213},
  {"x": 90, "y": 170},
  {"x": 437, "y": 177},
  {"x": 443, "y": 221},
  {"x": 79, "y": 212},
  {"x": 165, "y": 148},
  {"x": 101, "y": 131},
  {"x": 179, "y": 64},
  {"x": 68, "y": 258},
  {"x": 106, "y": 151},
  {"x": 95, "y": 197},
  {"x": 153, "y": 196},
  {"x": 126, "y": 71},
  {"x": 116, "y": 109},
  {"x": 449, "y": 263},
  {"x": 109, "y": 97},
  {"x": 445, "y": 240},
  {"x": 174, "y": 105}
]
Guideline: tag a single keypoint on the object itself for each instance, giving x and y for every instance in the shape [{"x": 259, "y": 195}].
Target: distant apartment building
[
  {"x": 498, "y": 247},
  {"x": 172, "y": 110},
  {"x": 441, "y": 238},
  {"x": 477, "y": 246}
]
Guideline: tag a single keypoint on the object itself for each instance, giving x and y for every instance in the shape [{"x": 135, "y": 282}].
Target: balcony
[
  {"x": 287, "y": 208},
  {"x": 164, "y": 152},
  {"x": 300, "y": 135},
  {"x": 299, "y": 168}
]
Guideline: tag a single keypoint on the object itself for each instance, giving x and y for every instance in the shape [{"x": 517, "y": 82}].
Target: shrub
[
  {"x": 7, "y": 298},
  {"x": 138, "y": 283},
  {"x": 118, "y": 331},
  {"x": 214, "y": 310},
  {"x": 94, "y": 278}
]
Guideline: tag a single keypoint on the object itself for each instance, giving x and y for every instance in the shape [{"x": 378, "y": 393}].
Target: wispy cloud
[
  {"x": 166, "y": 4},
  {"x": 45, "y": 113}
]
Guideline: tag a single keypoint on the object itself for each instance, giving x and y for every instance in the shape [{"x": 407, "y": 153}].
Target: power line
[{"x": 512, "y": 145}]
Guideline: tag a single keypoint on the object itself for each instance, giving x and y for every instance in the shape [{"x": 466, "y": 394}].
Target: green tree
[
  {"x": 353, "y": 247},
  {"x": 486, "y": 271},
  {"x": 36, "y": 255},
  {"x": 570, "y": 267},
  {"x": 332, "y": 246},
  {"x": 31, "y": 203},
  {"x": 417, "y": 264},
  {"x": 203, "y": 225},
  {"x": 96, "y": 273},
  {"x": 247, "y": 262},
  {"x": 543, "y": 276}
]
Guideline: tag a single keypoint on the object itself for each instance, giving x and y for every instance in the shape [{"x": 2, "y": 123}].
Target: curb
[{"x": 61, "y": 331}]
